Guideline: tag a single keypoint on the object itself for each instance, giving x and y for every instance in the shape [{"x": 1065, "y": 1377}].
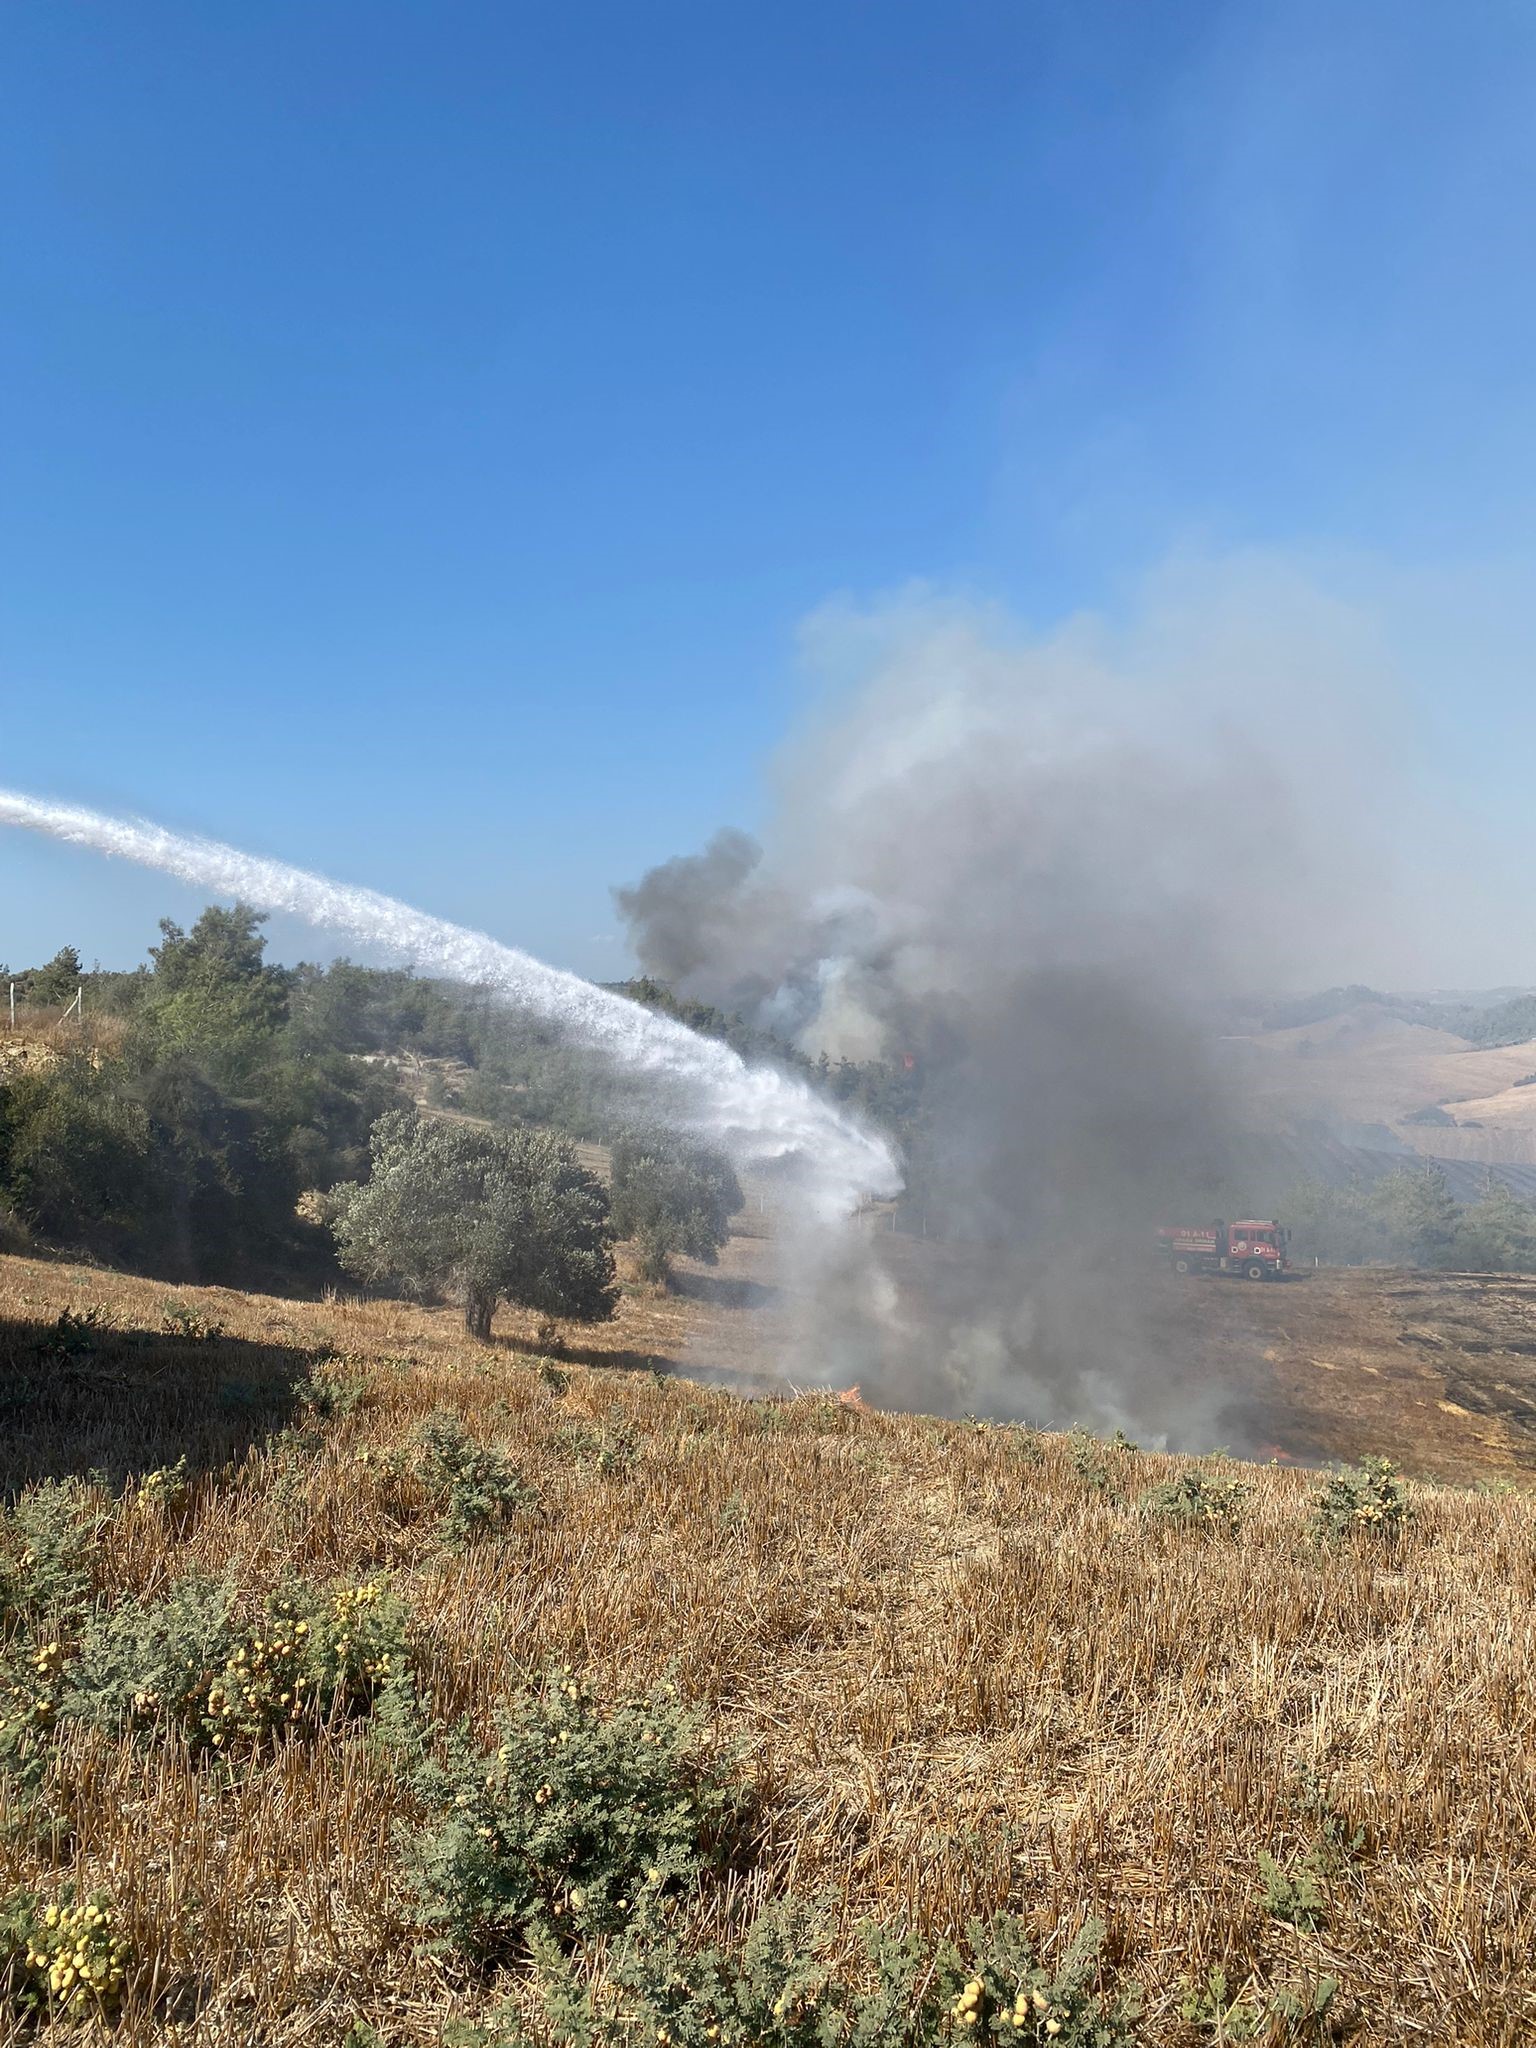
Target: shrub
[
  {"x": 1091, "y": 1461},
  {"x": 1294, "y": 1896},
  {"x": 778, "y": 1990},
  {"x": 1013, "y": 1997},
  {"x": 1302, "y": 2015},
  {"x": 165, "y": 1489},
  {"x": 76, "y": 1154},
  {"x": 189, "y": 1323},
  {"x": 62, "y": 1957},
  {"x": 47, "y": 1548},
  {"x": 1196, "y": 1500},
  {"x": 75, "y": 1331},
  {"x": 478, "y": 1488},
  {"x": 612, "y": 1448},
  {"x": 576, "y": 1820},
  {"x": 329, "y": 1391},
  {"x": 188, "y": 1664},
  {"x": 30, "y": 1686},
  {"x": 1371, "y": 1499}
]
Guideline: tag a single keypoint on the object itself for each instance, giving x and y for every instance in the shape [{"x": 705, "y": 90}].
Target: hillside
[
  {"x": 958, "y": 1670},
  {"x": 1379, "y": 1080}
]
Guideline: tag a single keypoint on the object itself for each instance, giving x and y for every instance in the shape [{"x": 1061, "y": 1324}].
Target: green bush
[
  {"x": 1370, "y": 1500},
  {"x": 190, "y": 1664},
  {"x": 62, "y": 1957},
  {"x": 75, "y": 1153},
  {"x": 47, "y": 1553},
  {"x": 1010, "y": 1995},
  {"x": 166, "y": 1489},
  {"x": 1097, "y": 1463},
  {"x": 189, "y": 1323},
  {"x": 329, "y": 1391},
  {"x": 1295, "y": 1896},
  {"x": 1195, "y": 1500},
  {"x": 477, "y": 1487},
  {"x": 779, "y": 1989},
  {"x": 612, "y": 1447},
  {"x": 30, "y": 1689},
  {"x": 1227, "y": 2014},
  {"x": 577, "y": 1820}
]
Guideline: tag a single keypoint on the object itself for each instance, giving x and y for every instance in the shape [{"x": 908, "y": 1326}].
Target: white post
[{"x": 13, "y": 1006}]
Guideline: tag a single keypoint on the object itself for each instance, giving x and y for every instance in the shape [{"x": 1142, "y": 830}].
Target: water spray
[{"x": 757, "y": 1115}]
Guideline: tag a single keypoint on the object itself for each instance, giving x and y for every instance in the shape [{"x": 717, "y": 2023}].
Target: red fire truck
[{"x": 1259, "y": 1251}]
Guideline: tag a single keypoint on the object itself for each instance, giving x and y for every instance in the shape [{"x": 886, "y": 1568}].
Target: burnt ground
[{"x": 1437, "y": 1370}]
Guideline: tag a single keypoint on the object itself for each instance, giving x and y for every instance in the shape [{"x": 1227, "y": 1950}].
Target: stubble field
[{"x": 955, "y": 1671}]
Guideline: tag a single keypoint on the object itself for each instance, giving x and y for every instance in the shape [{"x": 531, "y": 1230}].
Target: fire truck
[{"x": 1257, "y": 1250}]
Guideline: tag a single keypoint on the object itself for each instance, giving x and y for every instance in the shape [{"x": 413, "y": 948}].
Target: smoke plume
[{"x": 1031, "y": 869}]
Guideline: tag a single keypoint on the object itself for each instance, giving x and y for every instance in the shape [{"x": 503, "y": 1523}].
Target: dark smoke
[
  {"x": 686, "y": 908},
  {"x": 1036, "y": 868}
]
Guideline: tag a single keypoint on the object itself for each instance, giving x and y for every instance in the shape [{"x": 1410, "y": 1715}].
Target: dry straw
[{"x": 962, "y": 1674}]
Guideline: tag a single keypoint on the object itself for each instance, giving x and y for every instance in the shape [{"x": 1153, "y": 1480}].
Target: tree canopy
[
  {"x": 58, "y": 981},
  {"x": 672, "y": 1198},
  {"x": 1409, "y": 1217},
  {"x": 212, "y": 996},
  {"x": 479, "y": 1216}
]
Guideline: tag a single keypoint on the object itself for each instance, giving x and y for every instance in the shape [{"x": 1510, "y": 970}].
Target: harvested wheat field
[{"x": 769, "y": 1675}]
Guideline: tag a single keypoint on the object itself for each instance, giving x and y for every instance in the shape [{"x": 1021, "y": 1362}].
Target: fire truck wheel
[
  {"x": 1181, "y": 1265},
  {"x": 1257, "y": 1271}
]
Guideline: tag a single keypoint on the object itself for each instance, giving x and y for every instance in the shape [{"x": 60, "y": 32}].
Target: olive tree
[
  {"x": 479, "y": 1216},
  {"x": 671, "y": 1198}
]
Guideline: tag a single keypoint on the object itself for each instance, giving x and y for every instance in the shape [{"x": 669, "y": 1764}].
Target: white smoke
[{"x": 759, "y": 1116}]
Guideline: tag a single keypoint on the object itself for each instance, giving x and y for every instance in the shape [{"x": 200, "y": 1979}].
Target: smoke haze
[{"x": 1036, "y": 867}]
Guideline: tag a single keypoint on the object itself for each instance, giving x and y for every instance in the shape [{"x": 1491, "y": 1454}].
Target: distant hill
[{"x": 1494, "y": 1017}]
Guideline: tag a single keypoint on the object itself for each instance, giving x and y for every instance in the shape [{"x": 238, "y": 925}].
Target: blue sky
[{"x": 422, "y": 428}]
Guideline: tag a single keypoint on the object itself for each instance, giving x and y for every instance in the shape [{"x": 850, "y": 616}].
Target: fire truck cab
[{"x": 1259, "y": 1250}]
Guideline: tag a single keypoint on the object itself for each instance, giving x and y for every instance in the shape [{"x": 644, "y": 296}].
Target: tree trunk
[{"x": 479, "y": 1307}]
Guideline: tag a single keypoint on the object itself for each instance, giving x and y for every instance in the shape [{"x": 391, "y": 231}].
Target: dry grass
[
  {"x": 43, "y": 1036},
  {"x": 962, "y": 1677}
]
